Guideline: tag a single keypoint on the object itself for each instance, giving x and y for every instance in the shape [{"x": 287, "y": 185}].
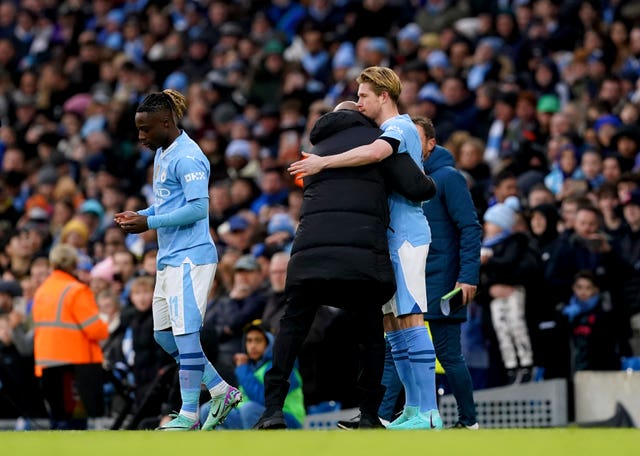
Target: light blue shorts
[
  {"x": 409, "y": 264},
  {"x": 180, "y": 297}
]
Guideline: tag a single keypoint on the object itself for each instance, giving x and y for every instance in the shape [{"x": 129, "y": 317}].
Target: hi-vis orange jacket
[{"x": 67, "y": 324}]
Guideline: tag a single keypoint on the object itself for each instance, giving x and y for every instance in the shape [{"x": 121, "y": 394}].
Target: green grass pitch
[{"x": 493, "y": 442}]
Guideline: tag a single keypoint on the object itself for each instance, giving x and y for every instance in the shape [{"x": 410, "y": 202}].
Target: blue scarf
[
  {"x": 490, "y": 242},
  {"x": 577, "y": 307}
]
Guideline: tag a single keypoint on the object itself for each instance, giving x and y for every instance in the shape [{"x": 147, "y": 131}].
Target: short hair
[
  {"x": 382, "y": 79},
  {"x": 129, "y": 253},
  {"x": 503, "y": 176},
  {"x": 607, "y": 189},
  {"x": 63, "y": 257},
  {"x": 109, "y": 294},
  {"x": 143, "y": 282},
  {"x": 427, "y": 126},
  {"x": 588, "y": 275},
  {"x": 540, "y": 187},
  {"x": 167, "y": 100},
  {"x": 590, "y": 208}
]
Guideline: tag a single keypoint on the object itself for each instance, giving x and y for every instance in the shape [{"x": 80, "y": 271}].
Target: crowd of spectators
[{"x": 538, "y": 99}]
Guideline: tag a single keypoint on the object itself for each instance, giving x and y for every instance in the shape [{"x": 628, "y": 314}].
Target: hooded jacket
[
  {"x": 456, "y": 234},
  {"x": 251, "y": 381},
  {"x": 345, "y": 214}
]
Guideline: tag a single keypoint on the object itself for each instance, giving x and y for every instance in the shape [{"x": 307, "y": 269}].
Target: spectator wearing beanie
[{"x": 506, "y": 270}]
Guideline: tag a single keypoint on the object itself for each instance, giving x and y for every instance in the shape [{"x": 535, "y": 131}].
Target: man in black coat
[{"x": 340, "y": 256}]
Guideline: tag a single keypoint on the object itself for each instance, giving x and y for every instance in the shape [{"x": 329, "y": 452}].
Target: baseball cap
[
  {"x": 378, "y": 45},
  {"x": 431, "y": 92},
  {"x": 246, "y": 263},
  {"x": 281, "y": 222},
  {"x": 255, "y": 325},
  {"x": 239, "y": 148},
  {"x": 344, "y": 56},
  {"x": 92, "y": 206},
  {"x": 437, "y": 59},
  {"x": 606, "y": 119},
  {"x": 11, "y": 287},
  {"x": 273, "y": 47},
  {"x": 238, "y": 223},
  {"x": 177, "y": 81},
  {"x": 410, "y": 32}
]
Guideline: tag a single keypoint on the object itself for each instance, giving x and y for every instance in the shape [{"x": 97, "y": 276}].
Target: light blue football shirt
[
  {"x": 181, "y": 174},
  {"x": 408, "y": 222}
]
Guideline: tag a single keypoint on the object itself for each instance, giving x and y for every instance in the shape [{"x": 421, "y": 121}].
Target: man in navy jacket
[{"x": 453, "y": 261}]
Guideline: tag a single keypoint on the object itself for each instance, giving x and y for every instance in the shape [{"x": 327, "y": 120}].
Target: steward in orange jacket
[{"x": 65, "y": 315}]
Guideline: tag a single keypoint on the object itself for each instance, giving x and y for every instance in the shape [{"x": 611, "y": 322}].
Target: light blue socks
[
  {"x": 399, "y": 352},
  {"x": 422, "y": 358}
]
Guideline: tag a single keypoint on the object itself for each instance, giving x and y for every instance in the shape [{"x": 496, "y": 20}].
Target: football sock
[
  {"x": 422, "y": 358},
  {"x": 190, "y": 372},
  {"x": 400, "y": 355},
  {"x": 210, "y": 377}
]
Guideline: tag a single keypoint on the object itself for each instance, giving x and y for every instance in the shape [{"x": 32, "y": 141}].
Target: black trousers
[
  {"x": 364, "y": 300},
  {"x": 73, "y": 393}
]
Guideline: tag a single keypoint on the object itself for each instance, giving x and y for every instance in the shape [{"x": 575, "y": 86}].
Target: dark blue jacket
[{"x": 456, "y": 234}]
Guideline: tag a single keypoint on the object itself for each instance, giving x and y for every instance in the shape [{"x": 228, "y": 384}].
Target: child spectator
[
  {"x": 565, "y": 168},
  {"x": 591, "y": 168},
  {"x": 251, "y": 366},
  {"x": 507, "y": 267},
  {"x": 590, "y": 316},
  {"x": 140, "y": 355}
]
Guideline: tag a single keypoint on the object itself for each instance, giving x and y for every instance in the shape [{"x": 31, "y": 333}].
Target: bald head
[{"x": 349, "y": 105}]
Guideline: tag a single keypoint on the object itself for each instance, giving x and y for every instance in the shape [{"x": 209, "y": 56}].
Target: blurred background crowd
[{"x": 538, "y": 99}]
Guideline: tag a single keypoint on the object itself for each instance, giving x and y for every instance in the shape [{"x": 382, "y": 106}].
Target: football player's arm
[{"x": 377, "y": 151}]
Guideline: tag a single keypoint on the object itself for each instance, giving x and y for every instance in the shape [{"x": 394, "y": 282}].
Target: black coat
[{"x": 342, "y": 234}]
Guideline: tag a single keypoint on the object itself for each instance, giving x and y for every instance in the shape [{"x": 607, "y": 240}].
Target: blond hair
[
  {"x": 382, "y": 79},
  {"x": 63, "y": 257},
  {"x": 143, "y": 282}
]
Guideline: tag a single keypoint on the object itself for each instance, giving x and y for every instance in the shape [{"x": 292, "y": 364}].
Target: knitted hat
[
  {"x": 75, "y": 226},
  {"x": 503, "y": 214}
]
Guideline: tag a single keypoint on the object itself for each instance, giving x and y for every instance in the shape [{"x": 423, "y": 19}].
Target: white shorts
[
  {"x": 409, "y": 264},
  {"x": 180, "y": 297}
]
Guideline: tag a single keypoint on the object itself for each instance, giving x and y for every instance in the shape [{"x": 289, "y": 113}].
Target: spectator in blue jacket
[{"x": 251, "y": 365}]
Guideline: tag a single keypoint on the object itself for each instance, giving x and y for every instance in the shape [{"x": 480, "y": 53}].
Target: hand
[
  {"x": 277, "y": 238},
  {"x": 240, "y": 359},
  {"x": 485, "y": 255},
  {"x": 597, "y": 242},
  {"x": 240, "y": 292},
  {"x": 468, "y": 292},
  {"x": 500, "y": 291},
  {"x": 16, "y": 318},
  {"x": 309, "y": 165},
  {"x": 123, "y": 216},
  {"x": 132, "y": 222}
]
